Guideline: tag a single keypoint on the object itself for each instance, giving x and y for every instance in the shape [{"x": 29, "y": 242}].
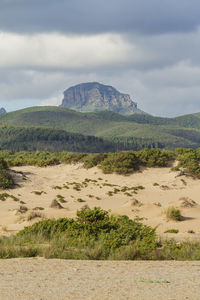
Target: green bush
[
  {"x": 95, "y": 234},
  {"x": 173, "y": 214},
  {"x": 172, "y": 231},
  {"x": 92, "y": 160},
  {"x": 125, "y": 162},
  {"x": 6, "y": 180},
  {"x": 189, "y": 160},
  {"x": 92, "y": 227},
  {"x": 3, "y": 164},
  {"x": 120, "y": 163},
  {"x": 155, "y": 157}
]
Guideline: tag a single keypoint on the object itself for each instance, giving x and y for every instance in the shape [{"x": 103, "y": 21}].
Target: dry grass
[
  {"x": 34, "y": 214},
  {"x": 173, "y": 214}
]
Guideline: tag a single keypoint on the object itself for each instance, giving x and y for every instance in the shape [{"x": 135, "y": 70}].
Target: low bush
[
  {"x": 173, "y": 214},
  {"x": 92, "y": 227},
  {"x": 189, "y": 160},
  {"x": 172, "y": 231},
  {"x": 120, "y": 163},
  {"x": 95, "y": 234},
  {"x": 6, "y": 180},
  {"x": 34, "y": 214},
  {"x": 61, "y": 198},
  {"x": 3, "y": 164},
  {"x": 124, "y": 162},
  {"x": 93, "y": 160},
  {"x": 155, "y": 157}
]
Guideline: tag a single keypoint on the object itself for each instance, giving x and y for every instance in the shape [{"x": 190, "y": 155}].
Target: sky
[{"x": 149, "y": 49}]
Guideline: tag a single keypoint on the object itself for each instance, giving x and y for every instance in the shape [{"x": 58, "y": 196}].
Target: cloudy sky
[{"x": 147, "y": 48}]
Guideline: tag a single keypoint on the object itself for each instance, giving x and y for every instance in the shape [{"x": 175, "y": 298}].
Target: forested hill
[
  {"x": 38, "y": 138},
  {"x": 126, "y": 132}
]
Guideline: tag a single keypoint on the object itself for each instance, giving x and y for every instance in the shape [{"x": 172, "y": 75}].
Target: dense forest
[{"x": 38, "y": 138}]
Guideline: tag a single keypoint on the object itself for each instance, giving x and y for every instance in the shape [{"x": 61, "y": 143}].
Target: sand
[
  {"x": 162, "y": 188},
  {"x": 40, "y": 279}
]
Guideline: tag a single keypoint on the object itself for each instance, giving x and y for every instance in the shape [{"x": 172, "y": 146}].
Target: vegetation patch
[
  {"x": 6, "y": 180},
  {"x": 123, "y": 163},
  {"x": 22, "y": 209},
  {"x": 172, "y": 231},
  {"x": 34, "y": 214},
  {"x": 173, "y": 214},
  {"x": 187, "y": 202},
  {"x": 61, "y": 198},
  {"x": 38, "y": 208},
  {"x": 80, "y": 200},
  {"x": 4, "y": 196},
  {"x": 38, "y": 193},
  {"x": 57, "y": 187},
  {"x": 95, "y": 234}
]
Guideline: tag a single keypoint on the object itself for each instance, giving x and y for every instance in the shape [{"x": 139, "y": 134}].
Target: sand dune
[{"x": 158, "y": 188}]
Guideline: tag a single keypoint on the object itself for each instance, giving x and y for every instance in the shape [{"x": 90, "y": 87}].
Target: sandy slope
[
  {"x": 40, "y": 279},
  {"x": 169, "y": 190}
]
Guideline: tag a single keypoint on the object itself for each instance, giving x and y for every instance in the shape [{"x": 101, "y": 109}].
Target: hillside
[
  {"x": 93, "y": 96},
  {"x": 127, "y": 132},
  {"x": 38, "y": 138}
]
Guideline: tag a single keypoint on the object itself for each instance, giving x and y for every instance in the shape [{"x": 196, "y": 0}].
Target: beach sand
[
  {"x": 161, "y": 188},
  {"x": 40, "y": 279}
]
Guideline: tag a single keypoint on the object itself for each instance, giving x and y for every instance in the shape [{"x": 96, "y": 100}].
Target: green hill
[
  {"x": 127, "y": 132},
  {"x": 38, "y": 138}
]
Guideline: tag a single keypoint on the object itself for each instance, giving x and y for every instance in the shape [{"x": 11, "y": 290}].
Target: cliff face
[
  {"x": 2, "y": 111},
  {"x": 94, "y": 96}
]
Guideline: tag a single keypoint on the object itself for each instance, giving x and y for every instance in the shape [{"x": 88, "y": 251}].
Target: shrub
[
  {"x": 172, "y": 231},
  {"x": 155, "y": 157},
  {"x": 93, "y": 227},
  {"x": 4, "y": 196},
  {"x": 74, "y": 157},
  {"x": 34, "y": 215},
  {"x": 80, "y": 200},
  {"x": 189, "y": 159},
  {"x": 3, "y": 164},
  {"x": 38, "y": 193},
  {"x": 6, "y": 180},
  {"x": 61, "y": 198},
  {"x": 95, "y": 234},
  {"x": 173, "y": 214},
  {"x": 120, "y": 163},
  {"x": 93, "y": 160}
]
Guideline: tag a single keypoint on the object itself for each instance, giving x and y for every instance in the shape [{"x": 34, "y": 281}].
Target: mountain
[
  {"x": 2, "y": 111},
  {"x": 93, "y": 96},
  {"x": 124, "y": 132}
]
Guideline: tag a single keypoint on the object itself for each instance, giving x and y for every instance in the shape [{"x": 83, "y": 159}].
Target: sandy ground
[
  {"x": 162, "y": 188},
  {"x": 40, "y": 279}
]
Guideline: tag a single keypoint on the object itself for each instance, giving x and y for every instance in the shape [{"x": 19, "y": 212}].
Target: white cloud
[
  {"x": 64, "y": 52},
  {"x": 52, "y": 101}
]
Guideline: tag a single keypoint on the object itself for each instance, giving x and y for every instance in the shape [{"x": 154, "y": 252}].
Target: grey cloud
[
  {"x": 159, "y": 64},
  {"x": 94, "y": 16},
  {"x": 22, "y": 88}
]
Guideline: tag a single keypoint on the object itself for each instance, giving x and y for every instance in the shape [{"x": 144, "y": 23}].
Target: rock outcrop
[
  {"x": 2, "y": 111},
  {"x": 94, "y": 96}
]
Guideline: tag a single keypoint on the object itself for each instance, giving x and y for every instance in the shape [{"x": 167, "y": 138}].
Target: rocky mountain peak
[
  {"x": 94, "y": 96},
  {"x": 2, "y": 111}
]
